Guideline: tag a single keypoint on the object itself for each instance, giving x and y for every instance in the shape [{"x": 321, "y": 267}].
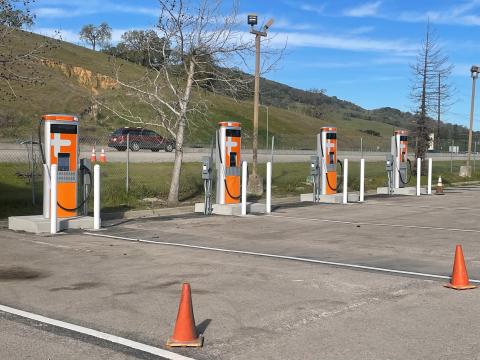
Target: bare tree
[
  {"x": 445, "y": 92},
  {"x": 18, "y": 63},
  {"x": 203, "y": 50},
  {"x": 96, "y": 35},
  {"x": 426, "y": 92}
]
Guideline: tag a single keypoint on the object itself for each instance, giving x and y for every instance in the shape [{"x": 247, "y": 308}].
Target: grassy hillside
[{"x": 74, "y": 74}]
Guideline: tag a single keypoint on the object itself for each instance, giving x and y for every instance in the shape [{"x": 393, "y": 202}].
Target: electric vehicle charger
[
  {"x": 74, "y": 179},
  {"x": 83, "y": 169},
  {"x": 339, "y": 178},
  {"x": 326, "y": 180},
  {"x": 224, "y": 177},
  {"x": 228, "y": 174},
  {"x": 398, "y": 166}
]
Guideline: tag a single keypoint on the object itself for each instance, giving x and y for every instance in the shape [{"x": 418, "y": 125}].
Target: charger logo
[
  {"x": 57, "y": 142},
  {"x": 230, "y": 144}
]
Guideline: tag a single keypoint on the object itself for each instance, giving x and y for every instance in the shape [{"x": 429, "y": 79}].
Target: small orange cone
[
  {"x": 185, "y": 332},
  {"x": 93, "y": 157},
  {"x": 103, "y": 157},
  {"x": 459, "y": 275},
  {"x": 439, "y": 189}
]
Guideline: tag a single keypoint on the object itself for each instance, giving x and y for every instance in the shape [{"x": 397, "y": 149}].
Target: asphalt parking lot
[{"x": 250, "y": 306}]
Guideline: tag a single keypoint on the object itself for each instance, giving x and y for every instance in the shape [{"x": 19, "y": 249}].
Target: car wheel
[
  {"x": 169, "y": 148},
  {"x": 155, "y": 150},
  {"x": 135, "y": 146},
  {"x": 121, "y": 148}
]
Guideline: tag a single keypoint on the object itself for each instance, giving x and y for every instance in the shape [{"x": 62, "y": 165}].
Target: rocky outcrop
[{"x": 85, "y": 77}]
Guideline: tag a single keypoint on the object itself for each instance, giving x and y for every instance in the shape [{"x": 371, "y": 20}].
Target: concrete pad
[
  {"x": 232, "y": 209},
  {"x": 37, "y": 224},
  {"x": 410, "y": 191},
  {"x": 331, "y": 199}
]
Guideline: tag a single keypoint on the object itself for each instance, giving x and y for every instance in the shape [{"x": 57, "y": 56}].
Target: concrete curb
[{"x": 136, "y": 214}]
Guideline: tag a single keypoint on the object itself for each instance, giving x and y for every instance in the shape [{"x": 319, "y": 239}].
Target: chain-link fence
[{"x": 137, "y": 166}]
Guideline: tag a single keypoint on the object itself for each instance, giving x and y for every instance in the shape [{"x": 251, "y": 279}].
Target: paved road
[
  {"x": 17, "y": 153},
  {"x": 251, "y": 307}
]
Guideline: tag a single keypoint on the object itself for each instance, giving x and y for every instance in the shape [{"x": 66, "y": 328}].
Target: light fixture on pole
[
  {"x": 255, "y": 184},
  {"x": 474, "y": 71}
]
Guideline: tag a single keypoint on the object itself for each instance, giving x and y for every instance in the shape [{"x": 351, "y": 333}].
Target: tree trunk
[{"x": 182, "y": 123}]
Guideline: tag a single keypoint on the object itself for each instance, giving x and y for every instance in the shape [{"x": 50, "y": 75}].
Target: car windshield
[{"x": 118, "y": 132}]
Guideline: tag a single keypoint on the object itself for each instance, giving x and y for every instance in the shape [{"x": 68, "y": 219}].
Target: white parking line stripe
[
  {"x": 94, "y": 333},
  {"x": 284, "y": 257},
  {"x": 375, "y": 224}
]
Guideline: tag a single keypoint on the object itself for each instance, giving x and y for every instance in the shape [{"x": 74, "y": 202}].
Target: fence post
[
  {"x": 345, "y": 181},
  {"x": 128, "y": 163},
  {"x": 419, "y": 175},
  {"x": 33, "y": 172},
  {"x": 269, "y": 188},
  {"x": 429, "y": 185},
  {"x": 362, "y": 180},
  {"x": 96, "y": 197},
  {"x": 53, "y": 199},
  {"x": 244, "y": 188}
]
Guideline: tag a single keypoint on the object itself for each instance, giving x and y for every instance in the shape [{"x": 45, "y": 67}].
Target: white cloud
[
  {"x": 367, "y": 9},
  {"x": 462, "y": 13},
  {"x": 343, "y": 42},
  {"x": 65, "y": 35},
  {"x": 361, "y": 30},
  {"x": 335, "y": 64},
  {"x": 306, "y": 7},
  {"x": 282, "y": 23},
  {"x": 58, "y": 13},
  {"x": 71, "y": 9}
]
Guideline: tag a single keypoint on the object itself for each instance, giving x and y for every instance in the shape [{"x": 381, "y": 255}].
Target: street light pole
[
  {"x": 474, "y": 71},
  {"x": 256, "y": 100},
  {"x": 255, "y": 183}
]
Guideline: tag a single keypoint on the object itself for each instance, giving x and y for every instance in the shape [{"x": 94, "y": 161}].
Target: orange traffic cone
[
  {"x": 103, "y": 157},
  {"x": 185, "y": 332},
  {"x": 93, "y": 157},
  {"x": 459, "y": 275},
  {"x": 439, "y": 189}
]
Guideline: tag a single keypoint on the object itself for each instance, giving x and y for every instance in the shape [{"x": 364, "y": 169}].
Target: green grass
[{"x": 152, "y": 181}]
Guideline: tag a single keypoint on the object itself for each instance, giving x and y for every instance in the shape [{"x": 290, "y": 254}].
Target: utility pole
[
  {"x": 474, "y": 72},
  {"x": 255, "y": 183}
]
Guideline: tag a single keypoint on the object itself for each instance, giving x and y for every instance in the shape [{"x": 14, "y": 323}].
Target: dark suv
[{"x": 140, "y": 138}]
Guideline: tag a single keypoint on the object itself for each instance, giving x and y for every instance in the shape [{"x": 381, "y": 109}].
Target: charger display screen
[{"x": 63, "y": 162}]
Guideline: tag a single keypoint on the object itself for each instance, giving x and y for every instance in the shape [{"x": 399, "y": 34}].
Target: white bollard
[
  {"x": 345, "y": 181},
  {"x": 268, "y": 208},
  {"x": 429, "y": 186},
  {"x": 96, "y": 198},
  {"x": 362, "y": 180},
  {"x": 53, "y": 199},
  {"x": 46, "y": 192},
  {"x": 419, "y": 175},
  {"x": 244, "y": 187}
]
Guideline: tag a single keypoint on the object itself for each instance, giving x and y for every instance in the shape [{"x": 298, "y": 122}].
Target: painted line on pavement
[
  {"x": 96, "y": 334},
  {"x": 283, "y": 257},
  {"x": 375, "y": 224}
]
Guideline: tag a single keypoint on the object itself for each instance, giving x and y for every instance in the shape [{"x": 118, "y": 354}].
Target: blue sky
[{"x": 356, "y": 50}]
